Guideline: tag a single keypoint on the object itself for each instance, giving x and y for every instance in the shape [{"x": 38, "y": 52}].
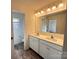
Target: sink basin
[
  {"x": 53, "y": 39},
  {"x": 44, "y": 36}
]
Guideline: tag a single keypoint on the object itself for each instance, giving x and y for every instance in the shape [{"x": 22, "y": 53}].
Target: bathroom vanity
[
  {"x": 49, "y": 43},
  {"x": 46, "y": 47}
]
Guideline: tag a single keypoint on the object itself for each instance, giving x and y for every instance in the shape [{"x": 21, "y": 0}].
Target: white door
[
  {"x": 52, "y": 26},
  {"x": 18, "y": 27}
]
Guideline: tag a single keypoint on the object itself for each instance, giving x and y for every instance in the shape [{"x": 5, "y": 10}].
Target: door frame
[{"x": 12, "y": 33}]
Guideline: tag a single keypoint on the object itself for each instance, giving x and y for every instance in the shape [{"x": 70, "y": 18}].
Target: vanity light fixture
[
  {"x": 54, "y": 7},
  {"x": 48, "y": 9},
  {"x": 60, "y": 5}
]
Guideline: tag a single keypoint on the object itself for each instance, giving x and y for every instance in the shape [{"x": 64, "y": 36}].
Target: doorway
[{"x": 18, "y": 27}]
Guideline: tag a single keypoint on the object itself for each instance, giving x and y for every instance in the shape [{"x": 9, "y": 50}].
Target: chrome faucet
[
  {"x": 52, "y": 36},
  {"x": 37, "y": 33}
]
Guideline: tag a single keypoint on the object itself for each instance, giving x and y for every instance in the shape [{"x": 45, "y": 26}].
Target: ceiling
[{"x": 33, "y": 4}]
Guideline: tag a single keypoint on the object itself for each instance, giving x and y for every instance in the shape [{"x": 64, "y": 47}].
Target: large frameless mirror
[{"x": 54, "y": 23}]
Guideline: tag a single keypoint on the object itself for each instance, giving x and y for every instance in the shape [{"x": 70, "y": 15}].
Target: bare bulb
[
  {"x": 54, "y": 7},
  {"x": 38, "y": 12},
  {"x": 42, "y": 11},
  {"x": 48, "y": 9},
  {"x": 61, "y": 5}
]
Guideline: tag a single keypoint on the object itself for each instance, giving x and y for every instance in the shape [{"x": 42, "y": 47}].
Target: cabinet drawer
[
  {"x": 52, "y": 45},
  {"x": 55, "y": 46}
]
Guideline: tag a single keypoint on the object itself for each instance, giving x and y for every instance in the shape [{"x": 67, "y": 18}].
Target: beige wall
[{"x": 29, "y": 21}]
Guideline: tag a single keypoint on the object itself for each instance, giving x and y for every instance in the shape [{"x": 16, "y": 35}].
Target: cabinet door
[
  {"x": 36, "y": 44},
  {"x": 54, "y": 54},
  {"x": 43, "y": 50},
  {"x": 31, "y": 42}
]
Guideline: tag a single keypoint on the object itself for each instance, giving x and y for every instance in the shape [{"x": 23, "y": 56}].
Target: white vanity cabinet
[
  {"x": 34, "y": 44},
  {"x": 54, "y": 54},
  {"x": 45, "y": 49},
  {"x": 49, "y": 52}
]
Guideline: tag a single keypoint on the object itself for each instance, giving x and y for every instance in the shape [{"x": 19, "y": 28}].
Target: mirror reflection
[{"x": 54, "y": 23}]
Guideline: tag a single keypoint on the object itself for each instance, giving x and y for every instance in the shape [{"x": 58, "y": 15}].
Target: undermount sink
[
  {"x": 52, "y": 39},
  {"x": 55, "y": 39},
  {"x": 43, "y": 36},
  {"x": 48, "y": 37}
]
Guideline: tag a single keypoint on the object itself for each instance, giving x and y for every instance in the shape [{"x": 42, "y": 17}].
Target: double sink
[
  {"x": 51, "y": 39},
  {"x": 47, "y": 37}
]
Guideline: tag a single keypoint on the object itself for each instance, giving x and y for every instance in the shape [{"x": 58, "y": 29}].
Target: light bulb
[
  {"x": 54, "y": 7},
  {"x": 60, "y": 5},
  {"x": 38, "y": 12},
  {"x": 48, "y": 9},
  {"x": 42, "y": 11}
]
